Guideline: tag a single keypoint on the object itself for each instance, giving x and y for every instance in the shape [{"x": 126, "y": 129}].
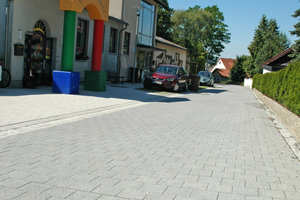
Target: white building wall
[{"x": 25, "y": 15}]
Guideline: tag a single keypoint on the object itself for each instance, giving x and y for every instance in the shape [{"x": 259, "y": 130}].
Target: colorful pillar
[
  {"x": 68, "y": 41},
  {"x": 95, "y": 80},
  {"x": 67, "y": 81},
  {"x": 97, "y": 45}
]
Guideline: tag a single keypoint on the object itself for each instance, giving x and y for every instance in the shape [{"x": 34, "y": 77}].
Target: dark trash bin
[
  {"x": 195, "y": 81},
  {"x": 137, "y": 76}
]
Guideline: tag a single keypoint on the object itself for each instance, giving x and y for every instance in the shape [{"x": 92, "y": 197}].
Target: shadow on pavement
[{"x": 125, "y": 91}]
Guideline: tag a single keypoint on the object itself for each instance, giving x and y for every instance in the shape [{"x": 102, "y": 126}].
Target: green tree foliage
[
  {"x": 218, "y": 34},
  {"x": 164, "y": 23},
  {"x": 267, "y": 42},
  {"x": 202, "y": 31},
  {"x": 296, "y": 46},
  {"x": 237, "y": 72}
]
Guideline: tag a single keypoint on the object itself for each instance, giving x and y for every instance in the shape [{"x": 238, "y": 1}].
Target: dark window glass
[
  {"x": 81, "y": 38},
  {"x": 126, "y": 43},
  {"x": 112, "y": 40}
]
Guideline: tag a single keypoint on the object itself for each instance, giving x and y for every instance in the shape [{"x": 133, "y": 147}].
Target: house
[
  {"x": 40, "y": 37},
  {"x": 174, "y": 54},
  {"x": 221, "y": 70},
  {"x": 278, "y": 62}
]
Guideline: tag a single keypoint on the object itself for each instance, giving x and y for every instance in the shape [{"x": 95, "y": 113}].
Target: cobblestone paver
[{"x": 216, "y": 144}]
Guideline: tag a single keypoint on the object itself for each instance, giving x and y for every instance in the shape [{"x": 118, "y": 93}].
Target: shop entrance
[
  {"x": 144, "y": 62},
  {"x": 37, "y": 58}
]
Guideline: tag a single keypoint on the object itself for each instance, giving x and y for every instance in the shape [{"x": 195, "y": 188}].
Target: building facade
[
  {"x": 222, "y": 69},
  {"x": 33, "y": 39}
]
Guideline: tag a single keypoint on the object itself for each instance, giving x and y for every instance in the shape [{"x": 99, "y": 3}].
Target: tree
[
  {"x": 237, "y": 72},
  {"x": 296, "y": 47},
  {"x": 200, "y": 30},
  {"x": 218, "y": 34},
  {"x": 164, "y": 22},
  {"x": 267, "y": 42}
]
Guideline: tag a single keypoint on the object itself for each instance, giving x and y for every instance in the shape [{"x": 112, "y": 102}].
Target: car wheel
[
  {"x": 176, "y": 87},
  {"x": 147, "y": 85}
]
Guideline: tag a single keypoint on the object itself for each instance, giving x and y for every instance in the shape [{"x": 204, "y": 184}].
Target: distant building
[
  {"x": 221, "y": 70},
  {"x": 174, "y": 54},
  {"x": 278, "y": 62}
]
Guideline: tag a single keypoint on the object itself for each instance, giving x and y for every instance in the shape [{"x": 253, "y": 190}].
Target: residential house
[
  {"x": 38, "y": 27},
  {"x": 221, "y": 70},
  {"x": 278, "y": 62}
]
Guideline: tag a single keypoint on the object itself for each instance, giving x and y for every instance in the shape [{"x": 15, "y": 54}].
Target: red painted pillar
[{"x": 97, "y": 45}]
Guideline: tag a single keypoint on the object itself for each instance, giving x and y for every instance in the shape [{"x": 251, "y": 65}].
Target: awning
[{"x": 149, "y": 48}]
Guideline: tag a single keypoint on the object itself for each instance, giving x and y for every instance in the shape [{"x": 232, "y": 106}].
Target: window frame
[
  {"x": 113, "y": 40},
  {"x": 146, "y": 36},
  {"x": 83, "y": 46},
  {"x": 126, "y": 48}
]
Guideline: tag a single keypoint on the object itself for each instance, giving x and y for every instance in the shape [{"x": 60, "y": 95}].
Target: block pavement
[{"x": 126, "y": 143}]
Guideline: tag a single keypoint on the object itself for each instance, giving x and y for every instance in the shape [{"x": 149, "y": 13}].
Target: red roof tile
[{"x": 228, "y": 63}]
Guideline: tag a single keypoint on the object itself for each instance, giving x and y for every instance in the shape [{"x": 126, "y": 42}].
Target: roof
[
  {"x": 167, "y": 42},
  {"x": 268, "y": 62},
  {"x": 228, "y": 64}
]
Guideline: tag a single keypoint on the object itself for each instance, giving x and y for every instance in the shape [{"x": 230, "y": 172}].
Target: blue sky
[{"x": 243, "y": 17}]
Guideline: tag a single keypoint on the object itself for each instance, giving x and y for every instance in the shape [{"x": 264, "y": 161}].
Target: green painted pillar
[{"x": 68, "y": 41}]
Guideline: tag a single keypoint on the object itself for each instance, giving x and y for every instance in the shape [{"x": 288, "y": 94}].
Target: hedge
[{"x": 282, "y": 86}]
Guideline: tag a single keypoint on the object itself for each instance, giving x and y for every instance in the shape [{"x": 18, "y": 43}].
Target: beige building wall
[
  {"x": 173, "y": 56},
  {"x": 116, "y": 8}
]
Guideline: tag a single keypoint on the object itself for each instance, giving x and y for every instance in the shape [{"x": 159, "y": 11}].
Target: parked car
[
  {"x": 206, "y": 78},
  {"x": 170, "y": 77}
]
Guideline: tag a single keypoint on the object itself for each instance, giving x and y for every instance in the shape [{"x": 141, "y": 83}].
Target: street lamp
[{"x": 136, "y": 40}]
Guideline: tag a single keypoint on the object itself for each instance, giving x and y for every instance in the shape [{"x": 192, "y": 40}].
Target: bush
[{"x": 282, "y": 86}]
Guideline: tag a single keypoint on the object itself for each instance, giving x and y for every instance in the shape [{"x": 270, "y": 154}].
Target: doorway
[
  {"x": 38, "y": 56},
  {"x": 37, "y": 59}
]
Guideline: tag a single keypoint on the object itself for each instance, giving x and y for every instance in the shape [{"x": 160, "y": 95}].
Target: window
[
  {"x": 81, "y": 39},
  {"x": 126, "y": 43},
  {"x": 146, "y": 25},
  {"x": 112, "y": 40},
  {"x": 103, "y": 38}
]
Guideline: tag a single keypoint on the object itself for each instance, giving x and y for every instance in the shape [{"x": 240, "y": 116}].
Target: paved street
[{"x": 217, "y": 144}]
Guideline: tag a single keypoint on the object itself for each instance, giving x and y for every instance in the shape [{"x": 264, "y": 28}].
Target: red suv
[{"x": 168, "y": 77}]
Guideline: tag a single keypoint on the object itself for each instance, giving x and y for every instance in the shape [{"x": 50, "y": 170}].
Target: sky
[{"x": 243, "y": 17}]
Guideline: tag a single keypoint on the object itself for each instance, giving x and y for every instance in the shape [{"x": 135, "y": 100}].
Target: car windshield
[
  {"x": 167, "y": 70},
  {"x": 204, "y": 74}
]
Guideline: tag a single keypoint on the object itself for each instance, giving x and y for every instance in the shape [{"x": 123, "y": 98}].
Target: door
[{"x": 38, "y": 59}]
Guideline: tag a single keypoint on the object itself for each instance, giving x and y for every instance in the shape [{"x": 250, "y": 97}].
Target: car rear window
[{"x": 204, "y": 74}]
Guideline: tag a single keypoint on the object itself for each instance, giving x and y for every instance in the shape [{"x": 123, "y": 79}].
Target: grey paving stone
[
  {"x": 226, "y": 196},
  {"x": 9, "y": 193},
  {"x": 196, "y": 194},
  {"x": 114, "y": 143},
  {"x": 59, "y": 192},
  {"x": 79, "y": 195},
  {"x": 34, "y": 187},
  {"x": 271, "y": 193},
  {"x": 220, "y": 188}
]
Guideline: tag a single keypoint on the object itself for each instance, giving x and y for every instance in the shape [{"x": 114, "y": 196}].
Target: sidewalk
[{"x": 24, "y": 108}]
